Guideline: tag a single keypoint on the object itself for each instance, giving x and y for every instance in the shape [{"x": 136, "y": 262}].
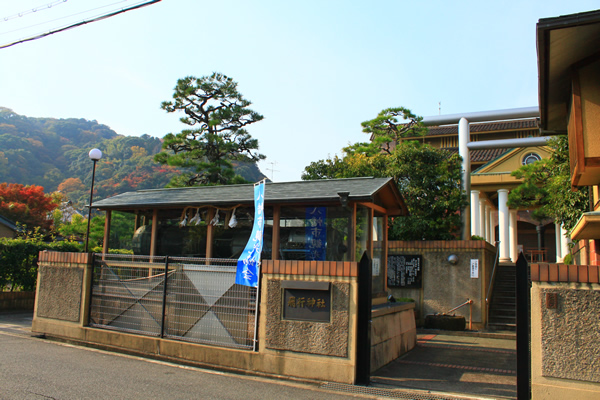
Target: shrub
[{"x": 18, "y": 260}]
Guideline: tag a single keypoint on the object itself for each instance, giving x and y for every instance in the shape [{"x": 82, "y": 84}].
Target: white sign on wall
[
  {"x": 376, "y": 266},
  {"x": 474, "y": 268}
]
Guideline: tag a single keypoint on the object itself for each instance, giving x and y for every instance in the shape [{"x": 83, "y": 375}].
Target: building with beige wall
[
  {"x": 8, "y": 228},
  {"x": 491, "y": 182},
  {"x": 565, "y": 299}
]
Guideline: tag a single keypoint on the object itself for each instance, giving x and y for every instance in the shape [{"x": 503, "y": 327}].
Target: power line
[
  {"x": 32, "y": 10},
  {"x": 105, "y": 16},
  {"x": 66, "y": 16}
]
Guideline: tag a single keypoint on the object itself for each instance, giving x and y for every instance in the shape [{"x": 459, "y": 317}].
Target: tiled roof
[
  {"x": 482, "y": 156},
  {"x": 516, "y": 125},
  {"x": 360, "y": 189}
]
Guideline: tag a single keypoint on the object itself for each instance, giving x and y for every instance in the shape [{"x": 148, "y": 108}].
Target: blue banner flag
[
  {"x": 316, "y": 233},
  {"x": 249, "y": 262}
]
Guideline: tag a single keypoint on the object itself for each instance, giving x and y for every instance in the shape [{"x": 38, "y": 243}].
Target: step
[{"x": 502, "y": 327}]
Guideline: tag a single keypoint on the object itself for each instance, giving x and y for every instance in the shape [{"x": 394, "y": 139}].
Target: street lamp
[{"x": 94, "y": 155}]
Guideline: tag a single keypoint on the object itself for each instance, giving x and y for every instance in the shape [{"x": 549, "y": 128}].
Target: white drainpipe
[{"x": 464, "y": 146}]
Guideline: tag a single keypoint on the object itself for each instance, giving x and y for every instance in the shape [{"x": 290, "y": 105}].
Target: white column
[
  {"x": 474, "y": 212},
  {"x": 559, "y": 255},
  {"x": 464, "y": 136},
  {"x": 493, "y": 221},
  {"x": 564, "y": 242},
  {"x": 512, "y": 228},
  {"x": 503, "y": 234},
  {"x": 482, "y": 218},
  {"x": 488, "y": 224}
]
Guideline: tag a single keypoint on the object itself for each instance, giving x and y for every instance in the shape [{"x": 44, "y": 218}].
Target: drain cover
[{"x": 391, "y": 393}]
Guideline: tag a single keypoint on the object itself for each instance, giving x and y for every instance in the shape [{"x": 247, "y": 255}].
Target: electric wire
[
  {"x": 81, "y": 23},
  {"x": 60, "y": 18},
  {"x": 32, "y": 10}
]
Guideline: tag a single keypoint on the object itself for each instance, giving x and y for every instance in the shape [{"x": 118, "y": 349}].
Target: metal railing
[{"x": 193, "y": 299}]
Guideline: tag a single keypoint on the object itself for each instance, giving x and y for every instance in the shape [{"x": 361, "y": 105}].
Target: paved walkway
[
  {"x": 442, "y": 366},
  {"x": 465, "y": 365}
]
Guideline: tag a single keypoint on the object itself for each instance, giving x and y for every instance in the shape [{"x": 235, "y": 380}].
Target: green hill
[{"x": 53, "y": 153}]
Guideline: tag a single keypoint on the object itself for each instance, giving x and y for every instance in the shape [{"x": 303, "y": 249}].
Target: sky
[{"x": 314, "y": 69}]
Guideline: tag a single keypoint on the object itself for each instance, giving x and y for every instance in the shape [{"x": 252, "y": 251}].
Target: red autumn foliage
[{"x": 28, "y": 205}]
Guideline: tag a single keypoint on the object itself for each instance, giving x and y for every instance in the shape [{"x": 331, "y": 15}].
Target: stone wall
[
  {"x": 565, "y": 322},
  {"x": 323, "y": 350},
  {"x": 61, "y": 286},
  {"x": 324, "y": 338},
  {"x": 446, "y": 285}
]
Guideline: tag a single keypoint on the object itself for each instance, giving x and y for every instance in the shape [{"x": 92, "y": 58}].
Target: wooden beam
[
  {"x": 153, "y": 237},
  {"x": 106, "y": 232},
  {"x": 276, "y": 231},
  {"x": 209, "y": 233},
  {"x": 374, "y": 207}
]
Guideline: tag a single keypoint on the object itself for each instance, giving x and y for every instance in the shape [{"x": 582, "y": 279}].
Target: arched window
[{"x": 530, "y": 158}]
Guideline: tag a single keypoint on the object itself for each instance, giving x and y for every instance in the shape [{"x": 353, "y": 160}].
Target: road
[
  {"x": 34, "y": 368},
  {"x": 442, "y": 367}
]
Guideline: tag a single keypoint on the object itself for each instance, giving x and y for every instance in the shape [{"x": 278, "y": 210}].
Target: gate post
[
  {"x": 523, "y": 330},
  {"x": 164, "y": 300},
  {"x": 363, "y": 319}
]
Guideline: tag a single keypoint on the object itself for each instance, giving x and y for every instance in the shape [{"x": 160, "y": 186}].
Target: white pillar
[
  {"x": 493, "y": 222},
  {"x": 512, "y": 228},
  {"x": 564, "y": 242},
  {"x": 503, "y": 234},
  {"x": 559, "y": 255},
  {"x": 482, "y": 218},
  {"x": 488, "y": 224},
  {"x": 464, "y": 136},
  {"x": 475, "y": 212}
]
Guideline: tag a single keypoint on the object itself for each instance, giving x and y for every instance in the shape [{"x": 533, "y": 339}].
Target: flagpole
[{"x": 258, "y": 294}]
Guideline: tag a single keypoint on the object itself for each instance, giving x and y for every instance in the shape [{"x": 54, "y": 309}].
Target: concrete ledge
[
  {"x": 393, "y": 333},
  {"x": 265, "y": 363}
]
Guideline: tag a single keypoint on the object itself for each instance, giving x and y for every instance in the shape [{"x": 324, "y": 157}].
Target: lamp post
[{"x": 94, "y": 155}]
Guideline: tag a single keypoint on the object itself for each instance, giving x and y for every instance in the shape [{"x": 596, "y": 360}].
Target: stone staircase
[{"x": 503, "y": 311}]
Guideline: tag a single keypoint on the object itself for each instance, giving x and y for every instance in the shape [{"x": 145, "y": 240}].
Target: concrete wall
[
  {"x": 324, "y": 351},
  {"x": 444, "y": 285},
  {"x": 393, "y": 333},
  {"x": 565, "y": 321}
]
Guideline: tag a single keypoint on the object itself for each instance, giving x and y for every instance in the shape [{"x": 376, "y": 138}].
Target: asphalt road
[
  {"x": 442, "y": 366},
  {"x": 34, "y": 368}
]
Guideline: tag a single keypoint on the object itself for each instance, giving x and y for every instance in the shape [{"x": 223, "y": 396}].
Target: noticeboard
[{"x": 405, "y": 271}]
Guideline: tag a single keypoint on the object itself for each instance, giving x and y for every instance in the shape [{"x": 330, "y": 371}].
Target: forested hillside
[{"x": 53, "y": 153}]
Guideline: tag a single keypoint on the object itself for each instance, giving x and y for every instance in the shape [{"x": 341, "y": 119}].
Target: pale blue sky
[{"x": 314, "y": 69}]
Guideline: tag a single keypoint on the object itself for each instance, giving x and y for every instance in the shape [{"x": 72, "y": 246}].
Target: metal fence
[{"x": 189, "y": 299}]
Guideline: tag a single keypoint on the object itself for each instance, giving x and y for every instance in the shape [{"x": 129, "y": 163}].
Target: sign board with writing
[
  {"x": 474, "y": 268},
  {"x": 405, "y": 271},
  {"x": 303, "y": 301}
]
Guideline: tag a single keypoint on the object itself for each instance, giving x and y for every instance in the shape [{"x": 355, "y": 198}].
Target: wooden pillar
[
  {"x": 276, "y": 233},
  {"x": 209, "y": 233},
  {"x": 153, "y": 237},
  {"x": 106, "y": 231},
  {"x": 352, "y": 234}
]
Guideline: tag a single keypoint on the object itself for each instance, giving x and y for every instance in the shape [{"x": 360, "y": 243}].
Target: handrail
[
  {"x": 491, "y": 284},
  {"x": 470, "y": 303}
]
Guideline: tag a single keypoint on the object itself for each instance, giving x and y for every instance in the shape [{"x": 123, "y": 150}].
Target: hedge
[{"x": 18, "y": 261}]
